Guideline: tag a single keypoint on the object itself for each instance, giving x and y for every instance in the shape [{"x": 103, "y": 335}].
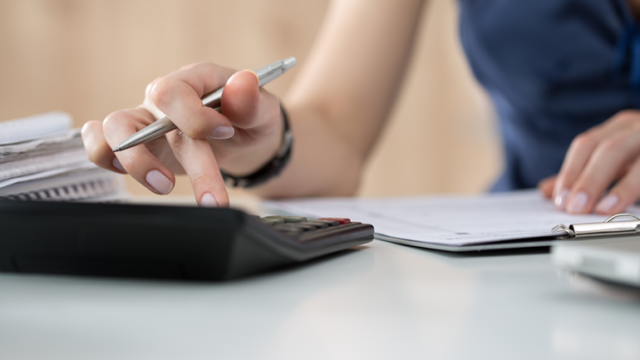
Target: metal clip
[
  {"x": 562, "y": 228},
  {"x": 610, "y": 219},
  {"x": 603, "y": 229}
]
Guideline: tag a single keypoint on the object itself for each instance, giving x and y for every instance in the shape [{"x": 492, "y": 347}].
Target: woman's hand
[
  {"x": 243, "y": 136},
  {"x": 606, "y": 155}
]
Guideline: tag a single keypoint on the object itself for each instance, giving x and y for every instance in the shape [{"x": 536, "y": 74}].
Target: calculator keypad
[
  {"x": 288, "y": 219},
  {"x": 305, "y": 230}
]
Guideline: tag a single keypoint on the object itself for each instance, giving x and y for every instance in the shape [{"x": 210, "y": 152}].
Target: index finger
[{"x": 197, "y": 159}]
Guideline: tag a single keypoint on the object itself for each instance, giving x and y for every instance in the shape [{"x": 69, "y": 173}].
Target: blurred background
[{"x": 92, "y": 57}]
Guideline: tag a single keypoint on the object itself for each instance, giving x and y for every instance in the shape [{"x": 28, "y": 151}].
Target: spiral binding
[{"x": 76, "y": 191}]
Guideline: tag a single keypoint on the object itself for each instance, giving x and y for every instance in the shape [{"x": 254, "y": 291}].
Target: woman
[{"x": 563, "y": 74}]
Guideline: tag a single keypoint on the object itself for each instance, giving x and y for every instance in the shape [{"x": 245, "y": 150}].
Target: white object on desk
[
  {"x": 34, "y": 127},
  {"x": 41, "y": 158},
  {"x": 616, "y": 261},
  {"x": 92, "y": 184},
  {"x": 43, "y": 166},
  {"x": 450, "y": 222},
  {"x": 42, "y": 146}
]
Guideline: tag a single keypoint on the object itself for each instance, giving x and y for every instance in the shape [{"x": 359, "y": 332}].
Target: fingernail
[
  {"x": 208, "y": 200},
  {"x": 116, "y": 164},
  {"x": 158, "y": 181},
  {"x": 561, "y": 200},
  {"x": 254, "y": 74},
  {"x": 222, "y": 132},
  {"x": 607, "y": 203},
  {"x": 578, "y": 202}
]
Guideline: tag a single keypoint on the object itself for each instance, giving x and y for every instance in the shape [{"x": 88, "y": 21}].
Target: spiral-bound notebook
[
  {"x": 42, "y": 158},
  {"x": 95, "y": 185}
]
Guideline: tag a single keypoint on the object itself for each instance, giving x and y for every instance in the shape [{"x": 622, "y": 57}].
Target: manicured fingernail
[
  {"x": 208, "y": 200},
  {"x": 222, "y": 132},
  {"x": 116, "y": 164},
  {"x": 254, "y": 74},
  {"x": 158, "y": 181},
  {"x": 607, "y": 203},
  {"x": 561, "y": 199},
  {"x": 578, "y": 202}
]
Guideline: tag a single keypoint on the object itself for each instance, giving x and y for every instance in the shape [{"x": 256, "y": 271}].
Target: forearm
[
  {"x": 321, "y": 164},
  {"x": 344, "y": 93},
  {"x": 342, "y": 96},
  {"x": 356, "y": 66}
]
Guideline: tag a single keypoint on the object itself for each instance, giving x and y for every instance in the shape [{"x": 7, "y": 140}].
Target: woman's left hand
[{"x": 605, "y": 155}]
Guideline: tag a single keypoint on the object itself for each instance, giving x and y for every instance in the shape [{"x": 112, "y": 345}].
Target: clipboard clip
[{"x": 603, "y": 229}]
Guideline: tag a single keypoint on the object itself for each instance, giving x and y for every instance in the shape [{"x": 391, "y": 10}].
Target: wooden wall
[{"x": 91, "y": 57}]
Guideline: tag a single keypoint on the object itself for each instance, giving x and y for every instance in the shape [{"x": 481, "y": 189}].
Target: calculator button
[
  {"x": 317, "y": 224},
  {"x": 272, "y": 221},
  {"x": 329, "y": 222},
  {"x": 284, "y": 227},
  {"x": 304, "y": 227},
  {"x": 342, "y": 221},
  {"x": 289, "y": 230},
  {"x": 288, "y": 219},
  {"x": 300, "y": 227},
  {"x": 294, "y": 219}
]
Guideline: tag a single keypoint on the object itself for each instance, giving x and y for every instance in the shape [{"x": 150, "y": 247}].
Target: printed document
[
  {"x": 448, "y": 220},
  {"x": 42, "y": 158}
]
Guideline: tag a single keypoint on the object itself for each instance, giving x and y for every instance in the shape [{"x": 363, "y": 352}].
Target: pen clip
[{"x": 603, "y": 229}]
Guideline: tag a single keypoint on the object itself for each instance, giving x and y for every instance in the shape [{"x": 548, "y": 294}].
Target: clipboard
[
  {"x": 584, "y": 232},
  {"x": 464, "y": 223}
]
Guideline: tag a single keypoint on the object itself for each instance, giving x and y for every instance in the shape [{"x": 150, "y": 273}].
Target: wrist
[
  {"x": 274, "y": 164},
  {"x": 247, "y": 160}
]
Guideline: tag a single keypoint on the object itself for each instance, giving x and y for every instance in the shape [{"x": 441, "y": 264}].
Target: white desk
[{"x": 382, "y": 301}]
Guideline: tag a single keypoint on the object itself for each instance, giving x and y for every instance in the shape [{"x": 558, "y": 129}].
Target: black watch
[{"x": 270, "y": 169}]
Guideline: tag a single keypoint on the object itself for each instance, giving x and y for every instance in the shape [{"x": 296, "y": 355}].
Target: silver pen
[{"x": 162, "y": 126}]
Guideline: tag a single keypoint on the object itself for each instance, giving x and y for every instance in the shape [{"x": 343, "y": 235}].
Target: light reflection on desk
[{"x": 379, "y": 301}]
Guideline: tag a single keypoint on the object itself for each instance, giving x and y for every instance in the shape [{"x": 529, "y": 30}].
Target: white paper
[
  {"x": 33, "y": 127},
  {"x": 447, "y": 220},
  {"x": 82, "y": 165},
  {"x": 29, "y": 166},
  {"x": 88, "y": 184},
  {"x": 41, "y": 158},
  {"x": 42, "y": 146}
]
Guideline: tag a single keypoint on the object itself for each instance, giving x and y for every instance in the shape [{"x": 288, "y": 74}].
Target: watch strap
[{"x": 270, "y": 169}]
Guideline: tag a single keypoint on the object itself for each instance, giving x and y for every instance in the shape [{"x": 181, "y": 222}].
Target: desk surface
[{"x": 380, "y": 301}]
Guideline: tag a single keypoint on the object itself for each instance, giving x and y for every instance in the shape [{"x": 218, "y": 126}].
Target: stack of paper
[{"x": 42, "y": 158}]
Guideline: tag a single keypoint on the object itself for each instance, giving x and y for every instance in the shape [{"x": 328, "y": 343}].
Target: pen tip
[{"x": 117, "y": 149}]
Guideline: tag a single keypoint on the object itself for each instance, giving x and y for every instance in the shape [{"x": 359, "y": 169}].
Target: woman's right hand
[{"x": 242, "y": 137}]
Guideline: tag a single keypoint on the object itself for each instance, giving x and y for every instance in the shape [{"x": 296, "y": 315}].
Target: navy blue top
[{"x": 553, "y": 68}]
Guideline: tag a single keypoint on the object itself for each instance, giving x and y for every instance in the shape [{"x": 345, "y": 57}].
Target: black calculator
[{"x": 168, "y": 242}]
